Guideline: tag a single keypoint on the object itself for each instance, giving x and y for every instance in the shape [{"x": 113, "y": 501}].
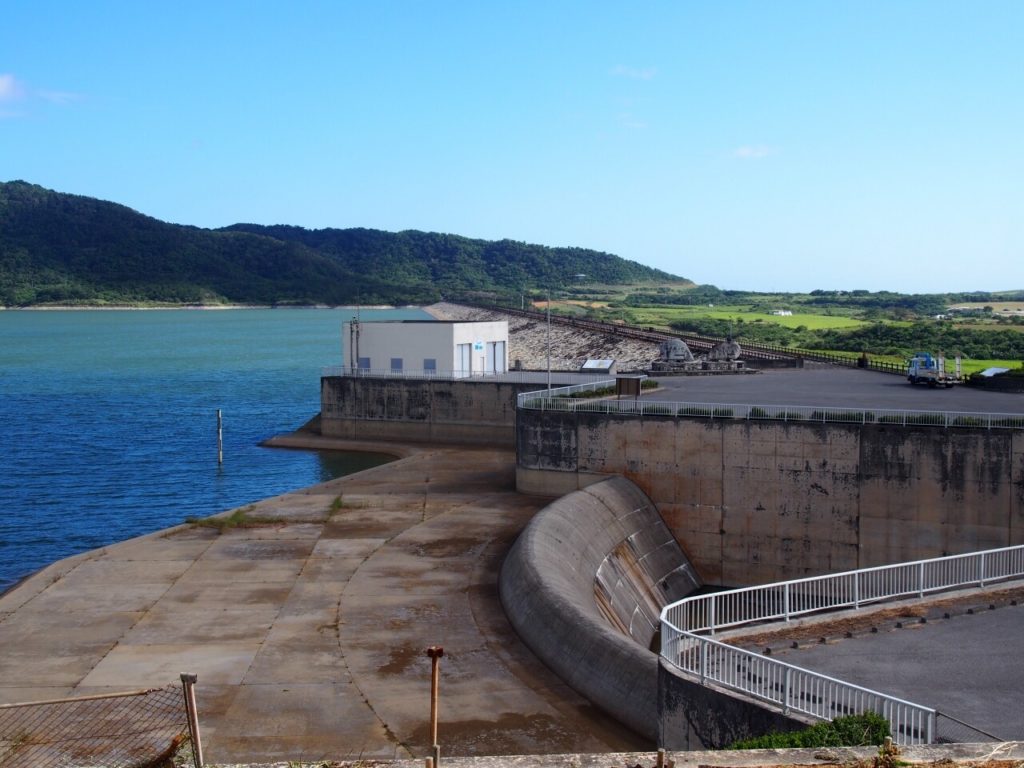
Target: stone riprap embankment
[{"x": 570, "y": 347}]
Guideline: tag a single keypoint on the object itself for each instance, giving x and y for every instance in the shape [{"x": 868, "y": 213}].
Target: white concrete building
[{"x": 431, "y": 347}]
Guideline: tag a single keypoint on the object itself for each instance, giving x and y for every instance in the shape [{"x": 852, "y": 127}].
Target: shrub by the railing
[
  {"x": 857, "y": 417},
  {"x": 693, "y": 410},
  {"x": 866, "y": 730},
  {"x": 657, "y": 409},
  {"x": 1009, "y": 422},
  {"x": 926, "y": 419},
  {"x": 589, "y": 393},
  {"x": 791, "y": 416},
  {"x": 648, "y": 384},
  {"x": 758, "y": 413},
  {"x": 969, "y": 421},
  {"x": 705, "y": 412}
]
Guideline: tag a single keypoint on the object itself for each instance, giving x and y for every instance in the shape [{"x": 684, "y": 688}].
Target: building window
[
  {"x": 430, "y": 365},
  {"x": 364, "y": 363},
  {"x": 396, "y": 365}
]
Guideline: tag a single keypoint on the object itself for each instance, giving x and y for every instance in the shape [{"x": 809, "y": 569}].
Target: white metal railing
[
  {"x": 796, "y": 689},
  {"x": 850, "y": 589},
  {"x": 527, "y": 377},
  {"x": 554, "y": 401},
  {"x": 791, "y": 688}
]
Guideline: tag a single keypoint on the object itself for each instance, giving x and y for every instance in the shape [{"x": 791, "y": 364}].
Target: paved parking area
[
  {"x": 966, "y": 666},
  {"x": 833, "y": 387}
]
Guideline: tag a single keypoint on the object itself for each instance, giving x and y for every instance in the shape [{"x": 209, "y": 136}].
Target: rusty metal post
[
  {"x": 188, "y": 683},
  {"x": 435, "y": 652}
]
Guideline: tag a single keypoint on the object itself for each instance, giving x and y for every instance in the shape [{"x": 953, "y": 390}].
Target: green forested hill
[{"x": 67, "y": 249}]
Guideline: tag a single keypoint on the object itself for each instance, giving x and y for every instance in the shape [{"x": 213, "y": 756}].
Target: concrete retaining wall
[
  {"x": 423, "y": 411},
  {"x": 759, "y": 501},
  {"x": 694, "y": 716},
  {"x": 583, "y": 586}
]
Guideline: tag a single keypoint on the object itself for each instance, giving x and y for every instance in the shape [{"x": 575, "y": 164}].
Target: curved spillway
[{"x": 584, "y": 585}]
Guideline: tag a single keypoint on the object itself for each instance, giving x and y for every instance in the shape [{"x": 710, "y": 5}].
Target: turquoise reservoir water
[{"x": 108, "y": 419}]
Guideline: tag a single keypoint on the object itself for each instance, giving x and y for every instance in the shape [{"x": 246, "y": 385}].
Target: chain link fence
[{"x": 138, "y": 729}]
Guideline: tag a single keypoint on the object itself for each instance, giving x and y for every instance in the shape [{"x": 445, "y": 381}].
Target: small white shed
[{"x": 430, "y": 347}]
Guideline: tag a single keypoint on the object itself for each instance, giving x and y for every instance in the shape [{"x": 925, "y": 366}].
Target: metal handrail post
[
  {"x": 785, "y": 691},
  {"x": 188, "y": 683}
]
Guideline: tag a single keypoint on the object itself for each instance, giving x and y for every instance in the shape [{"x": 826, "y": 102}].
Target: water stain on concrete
[
  {"x": 511, "y": 733},
  {"x": 401, "y": 659},
  {"x": 454, "y": 547}
]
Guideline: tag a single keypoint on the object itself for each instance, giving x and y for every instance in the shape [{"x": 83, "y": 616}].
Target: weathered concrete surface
[
  {"x": 420, "y": 410},
  {"x": 945, "y": 756},
  {"x": 584, "y": 585},
  {"x": 307, "y": 634},
  {"x": 692, "y": 716},
  {"x": 759, "y": 501}
]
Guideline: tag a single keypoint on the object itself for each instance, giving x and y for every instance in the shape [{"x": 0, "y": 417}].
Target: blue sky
[{"x": 755, "y": 145}]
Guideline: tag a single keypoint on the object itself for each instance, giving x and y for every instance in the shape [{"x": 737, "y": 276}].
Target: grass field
[
  {"x": 998, "y": 307},
  {"x": 967, "y": 366},
  {"x": 664, "y": 315}
]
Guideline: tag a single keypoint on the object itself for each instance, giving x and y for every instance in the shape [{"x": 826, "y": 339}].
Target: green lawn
[
  {"x": 665, "y": 315},
  {"x": 966, "y": 365}
]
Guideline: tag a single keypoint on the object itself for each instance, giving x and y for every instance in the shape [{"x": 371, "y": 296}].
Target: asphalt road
[
  {"x": 834, "y": 387},
  {"x": 967, "y": 666}
]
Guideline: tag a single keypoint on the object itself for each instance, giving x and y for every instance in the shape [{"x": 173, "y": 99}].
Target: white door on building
[
  {"x": 495, "y": 357},
  {"x": 463, "y": 359}
]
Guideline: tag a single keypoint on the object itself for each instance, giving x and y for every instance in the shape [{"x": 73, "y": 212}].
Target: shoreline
[
  {"x": 194, "y": 307},
  {"x": 296, "y": 440}
]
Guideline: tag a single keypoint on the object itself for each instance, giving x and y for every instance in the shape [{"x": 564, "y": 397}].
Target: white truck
[{"x": 925, "y": 369}]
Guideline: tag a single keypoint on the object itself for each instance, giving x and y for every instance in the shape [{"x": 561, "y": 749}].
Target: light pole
[{"x": 548, "y": 337}]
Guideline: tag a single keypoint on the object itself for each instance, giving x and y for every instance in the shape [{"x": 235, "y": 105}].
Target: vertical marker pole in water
[{"x": 220, "y": 438}]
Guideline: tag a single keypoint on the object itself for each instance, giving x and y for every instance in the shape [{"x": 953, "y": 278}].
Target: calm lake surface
[{"x": 109, "y": 419}]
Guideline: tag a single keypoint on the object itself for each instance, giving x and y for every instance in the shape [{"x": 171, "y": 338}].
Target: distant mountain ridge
[{"x": 57, "y": 248}]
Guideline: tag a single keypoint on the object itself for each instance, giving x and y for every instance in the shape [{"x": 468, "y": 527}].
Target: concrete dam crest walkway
[{"x": 308, "y": 629}]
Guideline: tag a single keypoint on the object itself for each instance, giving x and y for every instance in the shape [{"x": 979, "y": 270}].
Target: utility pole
[{"x": 549, "y": 339}]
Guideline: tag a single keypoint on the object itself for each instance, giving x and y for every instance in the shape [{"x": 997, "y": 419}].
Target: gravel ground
[{"x": 570, "y": 347}]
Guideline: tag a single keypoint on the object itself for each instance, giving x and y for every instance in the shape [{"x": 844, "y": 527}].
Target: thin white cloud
[
  {"x": 753, "y": 152},
  {"x": 60, "y": 97},
  {"x": 10, "y": 88},
  {"x": 14, "y": 92},
  {"x": 629, "y": 121},
  {"x": 634, "y": 73}
]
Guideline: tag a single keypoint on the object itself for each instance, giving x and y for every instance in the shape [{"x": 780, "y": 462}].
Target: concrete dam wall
[
  {"x": 584, "y": 586},
  {"x": 420, "y": 410},
  {"x": 759, "y": 501}
]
